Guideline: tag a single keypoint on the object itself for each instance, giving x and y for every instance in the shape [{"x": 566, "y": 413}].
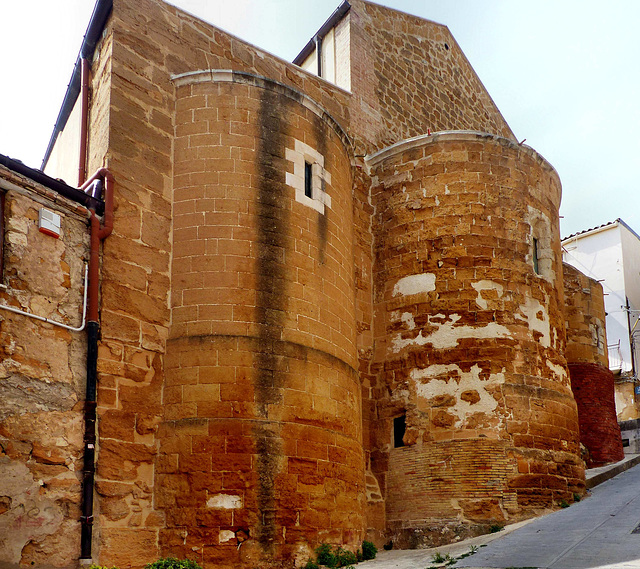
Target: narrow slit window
[
  {"x": 535, "y": 256},
  {"x": 307, "y": 180},
  {"x": 399, "y": 429}
]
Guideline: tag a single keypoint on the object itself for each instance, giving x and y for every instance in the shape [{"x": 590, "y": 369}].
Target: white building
[{"x": 610, "y": 254}]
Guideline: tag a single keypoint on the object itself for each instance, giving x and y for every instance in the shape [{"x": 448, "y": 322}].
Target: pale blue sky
[{"x": 564, "y": 74}]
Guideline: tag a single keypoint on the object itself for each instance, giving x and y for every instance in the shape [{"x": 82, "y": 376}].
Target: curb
[{"x": 612, "y": 471}]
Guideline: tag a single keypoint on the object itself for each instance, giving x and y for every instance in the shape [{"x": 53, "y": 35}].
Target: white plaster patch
[
  {"x": 225, "y": 502},
  {"x": 408, "y": 320},
  {"x": 320, "y": 178},
  {"x": 537, "y": 318},
  {"x": 559, "y": 371},
  {"x": 15, "y": 238},
  {"x": 448, "y": 334},
  {"x": 225, "y": 535},
  {"x": 597, "y": 335},
  {"x": 405, "y": 317},
  {"x": 486, "y": 285},
  {"x": 428, "y": 386},
  {"x": 415, "y": 284}
]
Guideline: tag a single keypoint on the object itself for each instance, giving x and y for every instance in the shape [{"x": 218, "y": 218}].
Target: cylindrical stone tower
[
  {"x": 591, "y": 379},
  {"x": 479, "y": 425},
  {"x": 261, "y": 449}
]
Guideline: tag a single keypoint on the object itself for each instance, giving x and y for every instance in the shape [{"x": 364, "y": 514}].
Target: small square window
[
  {"x": 399, "y": 429},
  {"x": 309, "y": 179}
]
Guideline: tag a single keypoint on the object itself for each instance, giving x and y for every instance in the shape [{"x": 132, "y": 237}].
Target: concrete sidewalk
[
  {"x": 596, "y": 476},
  {"x": 593, "y": 534},
  {"x": 421, "y": 558}
]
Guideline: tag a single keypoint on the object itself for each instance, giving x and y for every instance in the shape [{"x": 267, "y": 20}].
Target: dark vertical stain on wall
[
  {"x": 271, "y": 301},
  {"x": 320, "y": 132}
]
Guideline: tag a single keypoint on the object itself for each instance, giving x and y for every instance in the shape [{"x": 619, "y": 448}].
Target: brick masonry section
[
  {"x": 593, "y": 390},
  {"x": 592, "y": 382}
]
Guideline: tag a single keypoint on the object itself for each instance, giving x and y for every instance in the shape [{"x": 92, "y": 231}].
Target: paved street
[{"x": 593, "y": 534}]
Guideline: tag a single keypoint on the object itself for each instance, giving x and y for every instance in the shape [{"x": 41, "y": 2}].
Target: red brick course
[
  {"x": 592, "y": 382},
  {"x": 593, "y": 389}
]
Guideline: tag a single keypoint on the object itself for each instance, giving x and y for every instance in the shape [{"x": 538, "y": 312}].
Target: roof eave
[
  {"x": 58, "y": 186},
  {"x": 96, "y": 25},
  {"x": 331, "y": 22}
]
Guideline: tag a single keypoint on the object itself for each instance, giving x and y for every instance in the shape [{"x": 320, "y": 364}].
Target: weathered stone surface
[
  {"x": 482, "y": 510},
  {"x": 22, "y": 394},
  {"x": 56, "y": 549},
  {"x": 256, "y": 343},
  {"x": 591, "y": 380},
  {"x": 31, "y": 517},
  {"x": 469, "y": 339}
]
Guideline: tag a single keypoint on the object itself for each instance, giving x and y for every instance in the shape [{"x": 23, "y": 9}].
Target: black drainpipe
[
  {"x": 88, "y": 473},
  {"x": 101, "y": 181},
  {"x": 319, "y": 54}
]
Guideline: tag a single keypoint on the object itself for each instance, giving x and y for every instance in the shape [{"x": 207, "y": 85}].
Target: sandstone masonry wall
[
  {"x": 257, "y": 344},
  {"x": 409, "y": 76},
  {"x": 42, "y": 379},
  {"x": 585, "y": 318},
  {"x": 470, "y": 339},
  {"x": 591, "y": 380},
  {"x": 261, "y": 448},
  {"x": 151, "y": 42}
]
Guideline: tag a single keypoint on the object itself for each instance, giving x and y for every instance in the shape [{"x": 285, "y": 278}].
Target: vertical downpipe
[
  {"x": 99, "y": 232},
  {"x": 319, "y": 54},
  {"x": 90, "y": 402},
  {"x": 84, "y": 94}
]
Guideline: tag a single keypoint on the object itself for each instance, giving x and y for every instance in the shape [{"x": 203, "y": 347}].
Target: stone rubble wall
[{"x": 42, "y": 379}]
